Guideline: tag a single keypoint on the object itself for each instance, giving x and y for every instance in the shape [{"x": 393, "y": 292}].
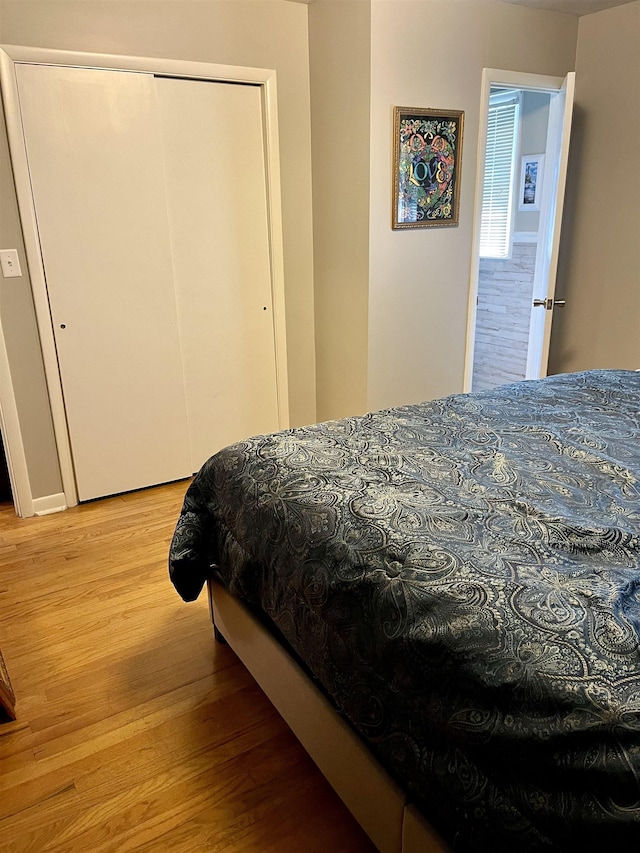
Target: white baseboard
[{"x": 49, "y": 504}]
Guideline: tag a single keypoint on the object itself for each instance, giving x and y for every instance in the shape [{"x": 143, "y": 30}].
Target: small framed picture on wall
[{"x": 530, "y": 182}]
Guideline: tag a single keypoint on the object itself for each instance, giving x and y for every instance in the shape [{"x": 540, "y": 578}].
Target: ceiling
[{"x": 571, "y": 7}]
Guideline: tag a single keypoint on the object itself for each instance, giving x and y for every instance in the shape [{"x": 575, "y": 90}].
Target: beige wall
[
  {"x": 599, "y": 265},
  {"x": 258, "y": 33},
  {"x": 340, "y": 57},
  {"x": 23, "y": 345},
  {"x": 431, "y": 54},
  {"x": 534, "y": 123}
]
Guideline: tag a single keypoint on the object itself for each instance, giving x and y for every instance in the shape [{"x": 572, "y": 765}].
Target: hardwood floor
[{"x": 135, "y": 730}]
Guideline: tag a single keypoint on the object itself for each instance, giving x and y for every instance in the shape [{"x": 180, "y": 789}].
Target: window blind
[{"x": 495, "y": 221}]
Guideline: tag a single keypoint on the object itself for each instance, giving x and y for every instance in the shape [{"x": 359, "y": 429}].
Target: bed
[{"x": 443, "y": 601}]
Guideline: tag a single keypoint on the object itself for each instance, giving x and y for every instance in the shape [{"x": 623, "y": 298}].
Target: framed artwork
[
  {"x": 426, "y": 167},
  {"x": 7, "y": 696},
  {"x": 530, "y": 182}
]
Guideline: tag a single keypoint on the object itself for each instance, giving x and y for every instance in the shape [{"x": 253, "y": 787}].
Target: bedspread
[{"x": 462, "y": 577}]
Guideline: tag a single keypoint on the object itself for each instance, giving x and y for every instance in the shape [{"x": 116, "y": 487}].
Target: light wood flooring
[{"x": 135, "y": 730}]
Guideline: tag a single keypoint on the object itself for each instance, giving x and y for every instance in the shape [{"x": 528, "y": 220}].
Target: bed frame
[{"x": 379, "y": 805}]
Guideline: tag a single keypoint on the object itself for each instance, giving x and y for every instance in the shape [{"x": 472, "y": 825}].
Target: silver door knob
[{"x": 549, "y": 303}]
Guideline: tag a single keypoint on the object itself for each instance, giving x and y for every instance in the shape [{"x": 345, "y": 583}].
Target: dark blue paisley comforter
[{"x": 463, "y": 579}]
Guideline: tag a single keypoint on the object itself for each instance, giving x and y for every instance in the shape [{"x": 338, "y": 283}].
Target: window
[{"x": 502, "y": 139}]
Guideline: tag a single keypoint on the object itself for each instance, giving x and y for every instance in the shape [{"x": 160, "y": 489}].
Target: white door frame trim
[
  {"x": 12, "y": 439},
  {"x": 10, "y": 55},
  {"x": 491, "y": 77}
]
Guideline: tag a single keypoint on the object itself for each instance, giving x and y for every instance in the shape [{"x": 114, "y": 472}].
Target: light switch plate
[{"x": 10, "y": 263}]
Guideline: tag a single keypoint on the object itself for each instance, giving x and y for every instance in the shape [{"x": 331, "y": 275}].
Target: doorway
[
  {"x": 198, "y": 78},
  {"x": 516, "y": 145},
  {"x": 522, "y": 159},
  {"x": 161, "y": 309}
]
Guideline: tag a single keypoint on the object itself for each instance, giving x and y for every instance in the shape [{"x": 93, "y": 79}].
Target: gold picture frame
[{"x": 426, "y": 167}]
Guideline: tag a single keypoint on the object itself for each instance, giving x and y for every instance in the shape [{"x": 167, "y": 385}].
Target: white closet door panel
[
  {"x": 95, "y": 162},
  {"x": 216, "y": 194}
]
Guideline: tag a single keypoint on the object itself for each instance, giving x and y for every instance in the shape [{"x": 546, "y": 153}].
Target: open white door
[
  {"x": 530, "y": 345},
  {"x": 544, "y": 303}
]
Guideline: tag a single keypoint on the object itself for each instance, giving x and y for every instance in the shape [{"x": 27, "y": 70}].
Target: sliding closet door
[
  {"x": 212, "y": 138},
  {"x": 97, "y": 177}
]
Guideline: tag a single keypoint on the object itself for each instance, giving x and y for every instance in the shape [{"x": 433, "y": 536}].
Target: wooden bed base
[{"x": 375, "y": 800}]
